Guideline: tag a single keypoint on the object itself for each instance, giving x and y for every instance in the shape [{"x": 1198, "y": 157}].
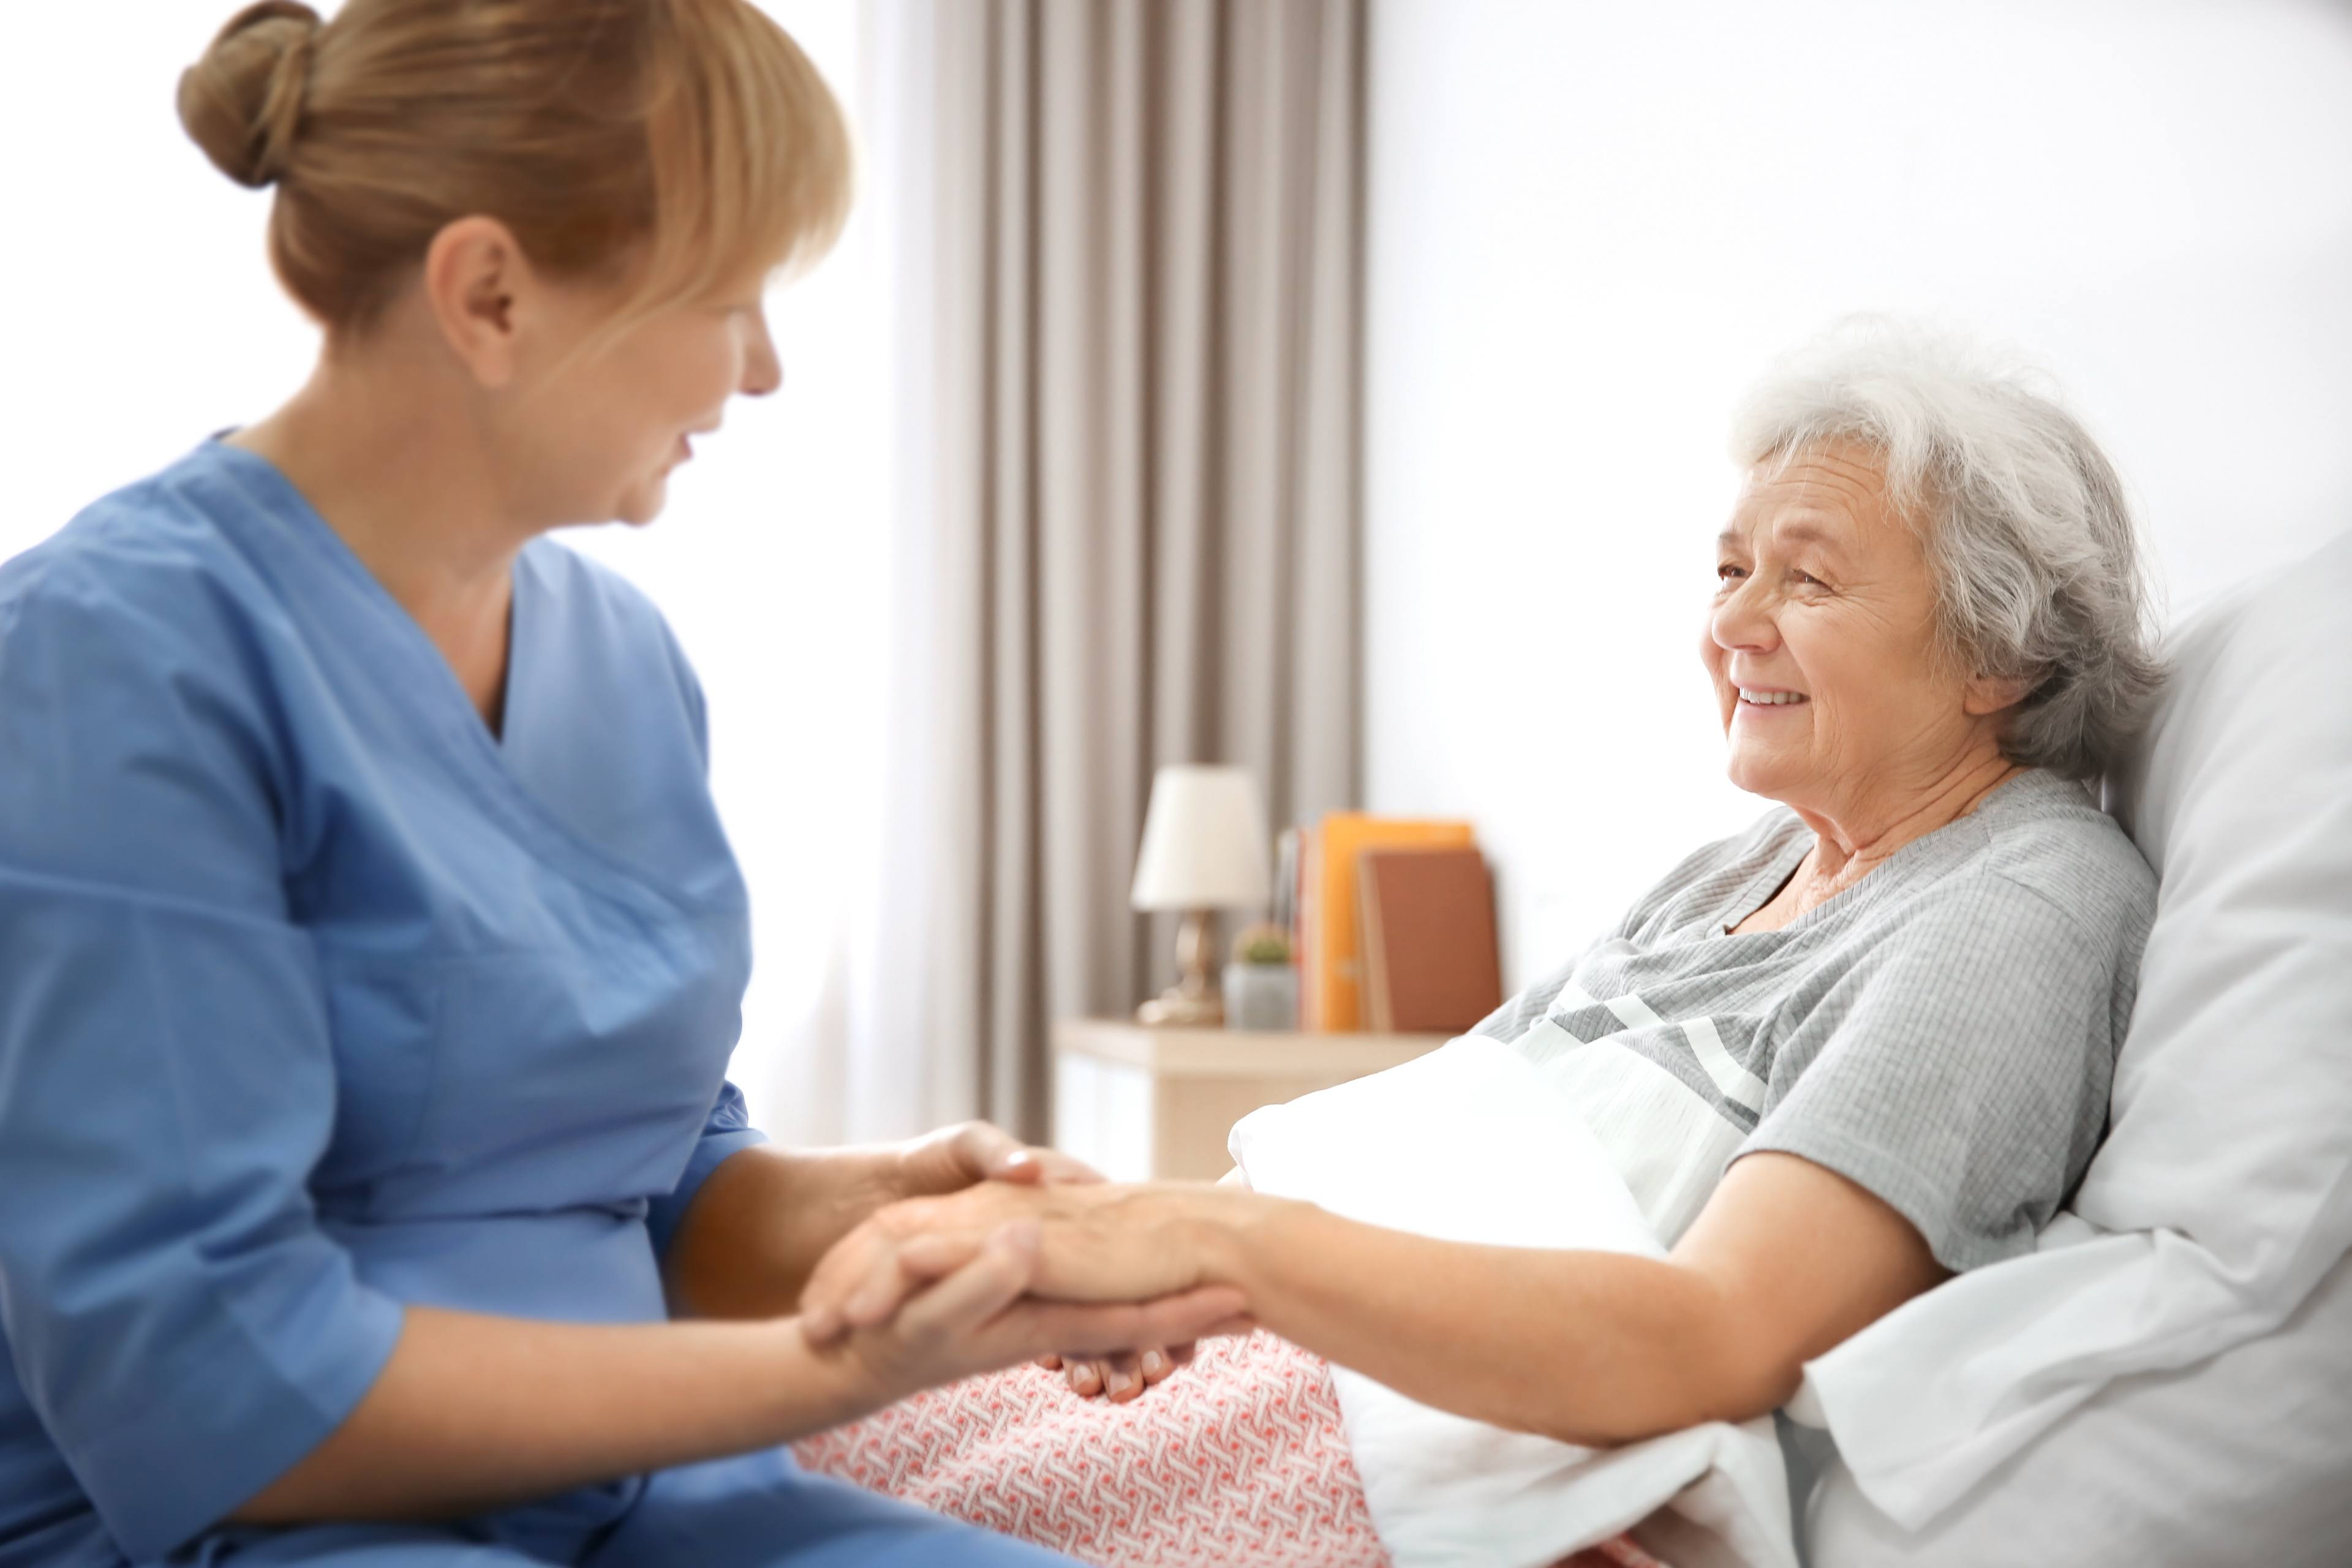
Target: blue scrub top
[{"x": 316, "y": 998}]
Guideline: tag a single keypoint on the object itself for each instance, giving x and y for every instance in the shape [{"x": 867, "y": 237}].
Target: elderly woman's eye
[{"x": 1727, "y": 572}]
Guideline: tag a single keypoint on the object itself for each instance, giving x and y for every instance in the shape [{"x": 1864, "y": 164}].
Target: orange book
[
  {"x": 1310, "y": 865},
  {"x": 1335, "y": 974}
]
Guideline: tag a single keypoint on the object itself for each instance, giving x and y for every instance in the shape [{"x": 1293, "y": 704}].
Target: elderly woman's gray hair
[{"x": 2036, "y": 563}]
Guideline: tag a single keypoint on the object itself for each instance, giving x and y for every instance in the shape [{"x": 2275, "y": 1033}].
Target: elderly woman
[{"x": 1837, "y": 1057}]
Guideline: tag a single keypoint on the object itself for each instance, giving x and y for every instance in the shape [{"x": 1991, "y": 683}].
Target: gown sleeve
[
  {"x": 181, "y": 1324},
  {"x": 1960, "y": 1071}
]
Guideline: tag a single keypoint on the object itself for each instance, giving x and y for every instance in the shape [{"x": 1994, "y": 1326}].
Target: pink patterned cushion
[{"x": 1237, "y": 1459}]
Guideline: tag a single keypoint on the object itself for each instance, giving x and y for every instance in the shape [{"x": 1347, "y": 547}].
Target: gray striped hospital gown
[{"x": 1942, "y": 1033}]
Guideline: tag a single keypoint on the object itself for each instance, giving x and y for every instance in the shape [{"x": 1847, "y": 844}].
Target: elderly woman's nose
[{"x": 1742, "y": 622}]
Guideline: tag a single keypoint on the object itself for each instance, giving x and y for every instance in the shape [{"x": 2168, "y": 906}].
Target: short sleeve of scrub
[
  {"x": 727, "y": 1131},
  {"x": 177, "y": 1318}
]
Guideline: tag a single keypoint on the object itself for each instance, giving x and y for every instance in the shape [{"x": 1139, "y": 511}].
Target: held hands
[
  {"x": 956, "y": 1157},
  {"x": 1097, "y": 1244},
  {"x": 979, "y": 1315},
  {"x": 1122, "y": 1378}
]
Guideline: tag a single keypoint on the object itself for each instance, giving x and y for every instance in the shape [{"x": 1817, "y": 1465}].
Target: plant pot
[{"x": 1260, "y": 997}]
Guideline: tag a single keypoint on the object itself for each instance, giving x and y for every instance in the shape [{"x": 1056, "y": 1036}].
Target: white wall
[
  {"x": 1592, "y": 224},
  {"x": 140, "y": 316}
]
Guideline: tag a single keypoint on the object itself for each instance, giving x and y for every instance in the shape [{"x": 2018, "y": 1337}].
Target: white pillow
[
  {"x": 2223, "y": 1192},
  {"x": 1471, "y": 1142},
  {"x": 2245, "y": 1458}
]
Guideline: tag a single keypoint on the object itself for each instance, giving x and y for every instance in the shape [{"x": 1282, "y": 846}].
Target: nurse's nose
[{"x": 764, "y": 371}]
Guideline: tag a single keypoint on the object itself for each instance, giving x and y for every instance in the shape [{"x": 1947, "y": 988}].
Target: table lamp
[{"x": 1204, "y": 848}]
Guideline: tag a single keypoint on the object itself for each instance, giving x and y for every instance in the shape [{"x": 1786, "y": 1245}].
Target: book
[
  {"x": 1432, "y": 964},
  {"x": 1331, "y": 996}
]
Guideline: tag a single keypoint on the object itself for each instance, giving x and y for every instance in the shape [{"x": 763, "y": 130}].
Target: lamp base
[
  {"x": 1192, "y": 1003},
  {"x": 1171, "y": 1009}
]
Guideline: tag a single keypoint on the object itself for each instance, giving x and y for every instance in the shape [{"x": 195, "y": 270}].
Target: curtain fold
[{"x": 1129, "y": 394}]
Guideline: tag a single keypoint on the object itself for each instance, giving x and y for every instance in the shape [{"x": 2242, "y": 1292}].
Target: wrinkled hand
[
  {"x": 954, "y": 1158},
  {"x": 978, "y": 1316},
  {"x": 1123, "y": 1378},
  {"x": 1099, "y": 1243}
]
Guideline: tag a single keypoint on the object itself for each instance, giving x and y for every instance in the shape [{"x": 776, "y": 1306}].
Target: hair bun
[{"x": 243, "y": 101}]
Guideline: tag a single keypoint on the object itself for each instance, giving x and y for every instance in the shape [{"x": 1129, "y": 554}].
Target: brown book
[
  {"x": 1430, "y": 961},
  {"x": 1334, "y": 971}
]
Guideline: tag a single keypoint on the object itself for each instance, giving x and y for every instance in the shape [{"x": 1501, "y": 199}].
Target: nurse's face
[{"x": 596, "y": 437}]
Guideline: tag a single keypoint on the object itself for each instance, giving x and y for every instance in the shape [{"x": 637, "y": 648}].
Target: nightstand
[{"x": 1142, "y": 1104}]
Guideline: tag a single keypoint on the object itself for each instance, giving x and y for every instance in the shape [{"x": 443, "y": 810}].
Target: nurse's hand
[
  {"x": 1119, "y": 1378},
  {"x": 765, "y": 1216},
  {"x": 954, "y": 1158},
  {"x": 979, "y": 1316}
]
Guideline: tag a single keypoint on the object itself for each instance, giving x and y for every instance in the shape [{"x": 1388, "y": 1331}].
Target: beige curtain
[{"x": 1130, "y": 390}]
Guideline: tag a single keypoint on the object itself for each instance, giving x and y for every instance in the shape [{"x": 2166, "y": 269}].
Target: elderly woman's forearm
[{"x": 1587, "y": 1347}]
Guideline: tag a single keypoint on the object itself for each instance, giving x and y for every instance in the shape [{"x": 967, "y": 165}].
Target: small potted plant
[{"x": 1261, "y": 984}]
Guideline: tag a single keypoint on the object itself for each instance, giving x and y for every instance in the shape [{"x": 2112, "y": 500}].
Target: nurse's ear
[{"x": 481, "y": 290}]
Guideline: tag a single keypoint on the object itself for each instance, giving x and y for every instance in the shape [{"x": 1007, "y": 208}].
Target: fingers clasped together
[
  {"x": 1119, "y": 1378},
  {"x": 1029, "y": 1256}
]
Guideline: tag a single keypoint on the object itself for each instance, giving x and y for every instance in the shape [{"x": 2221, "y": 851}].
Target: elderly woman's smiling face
[{"x": 1821, "y": 640}]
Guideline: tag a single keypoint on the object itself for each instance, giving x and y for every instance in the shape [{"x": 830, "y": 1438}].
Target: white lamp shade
[{"x": 1204, "y": 842}]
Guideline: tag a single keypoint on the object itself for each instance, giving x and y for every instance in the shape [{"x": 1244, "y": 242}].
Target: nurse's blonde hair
[{"x": 663, "y": 146}]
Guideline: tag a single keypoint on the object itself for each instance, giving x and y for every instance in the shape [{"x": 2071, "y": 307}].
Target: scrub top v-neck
[{"x": 318, "y": 1000}]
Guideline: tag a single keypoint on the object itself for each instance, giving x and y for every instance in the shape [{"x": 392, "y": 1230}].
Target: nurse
[{"x": 370, "y": 950}]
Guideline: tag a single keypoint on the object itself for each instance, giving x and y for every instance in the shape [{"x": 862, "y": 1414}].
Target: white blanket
[{"x": 1470, "y": 1144}]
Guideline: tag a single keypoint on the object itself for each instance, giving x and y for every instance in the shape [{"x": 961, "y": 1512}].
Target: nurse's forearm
[
  {"x": 473, "y": 1411},
  {"x": 761, "y": 1222}
]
